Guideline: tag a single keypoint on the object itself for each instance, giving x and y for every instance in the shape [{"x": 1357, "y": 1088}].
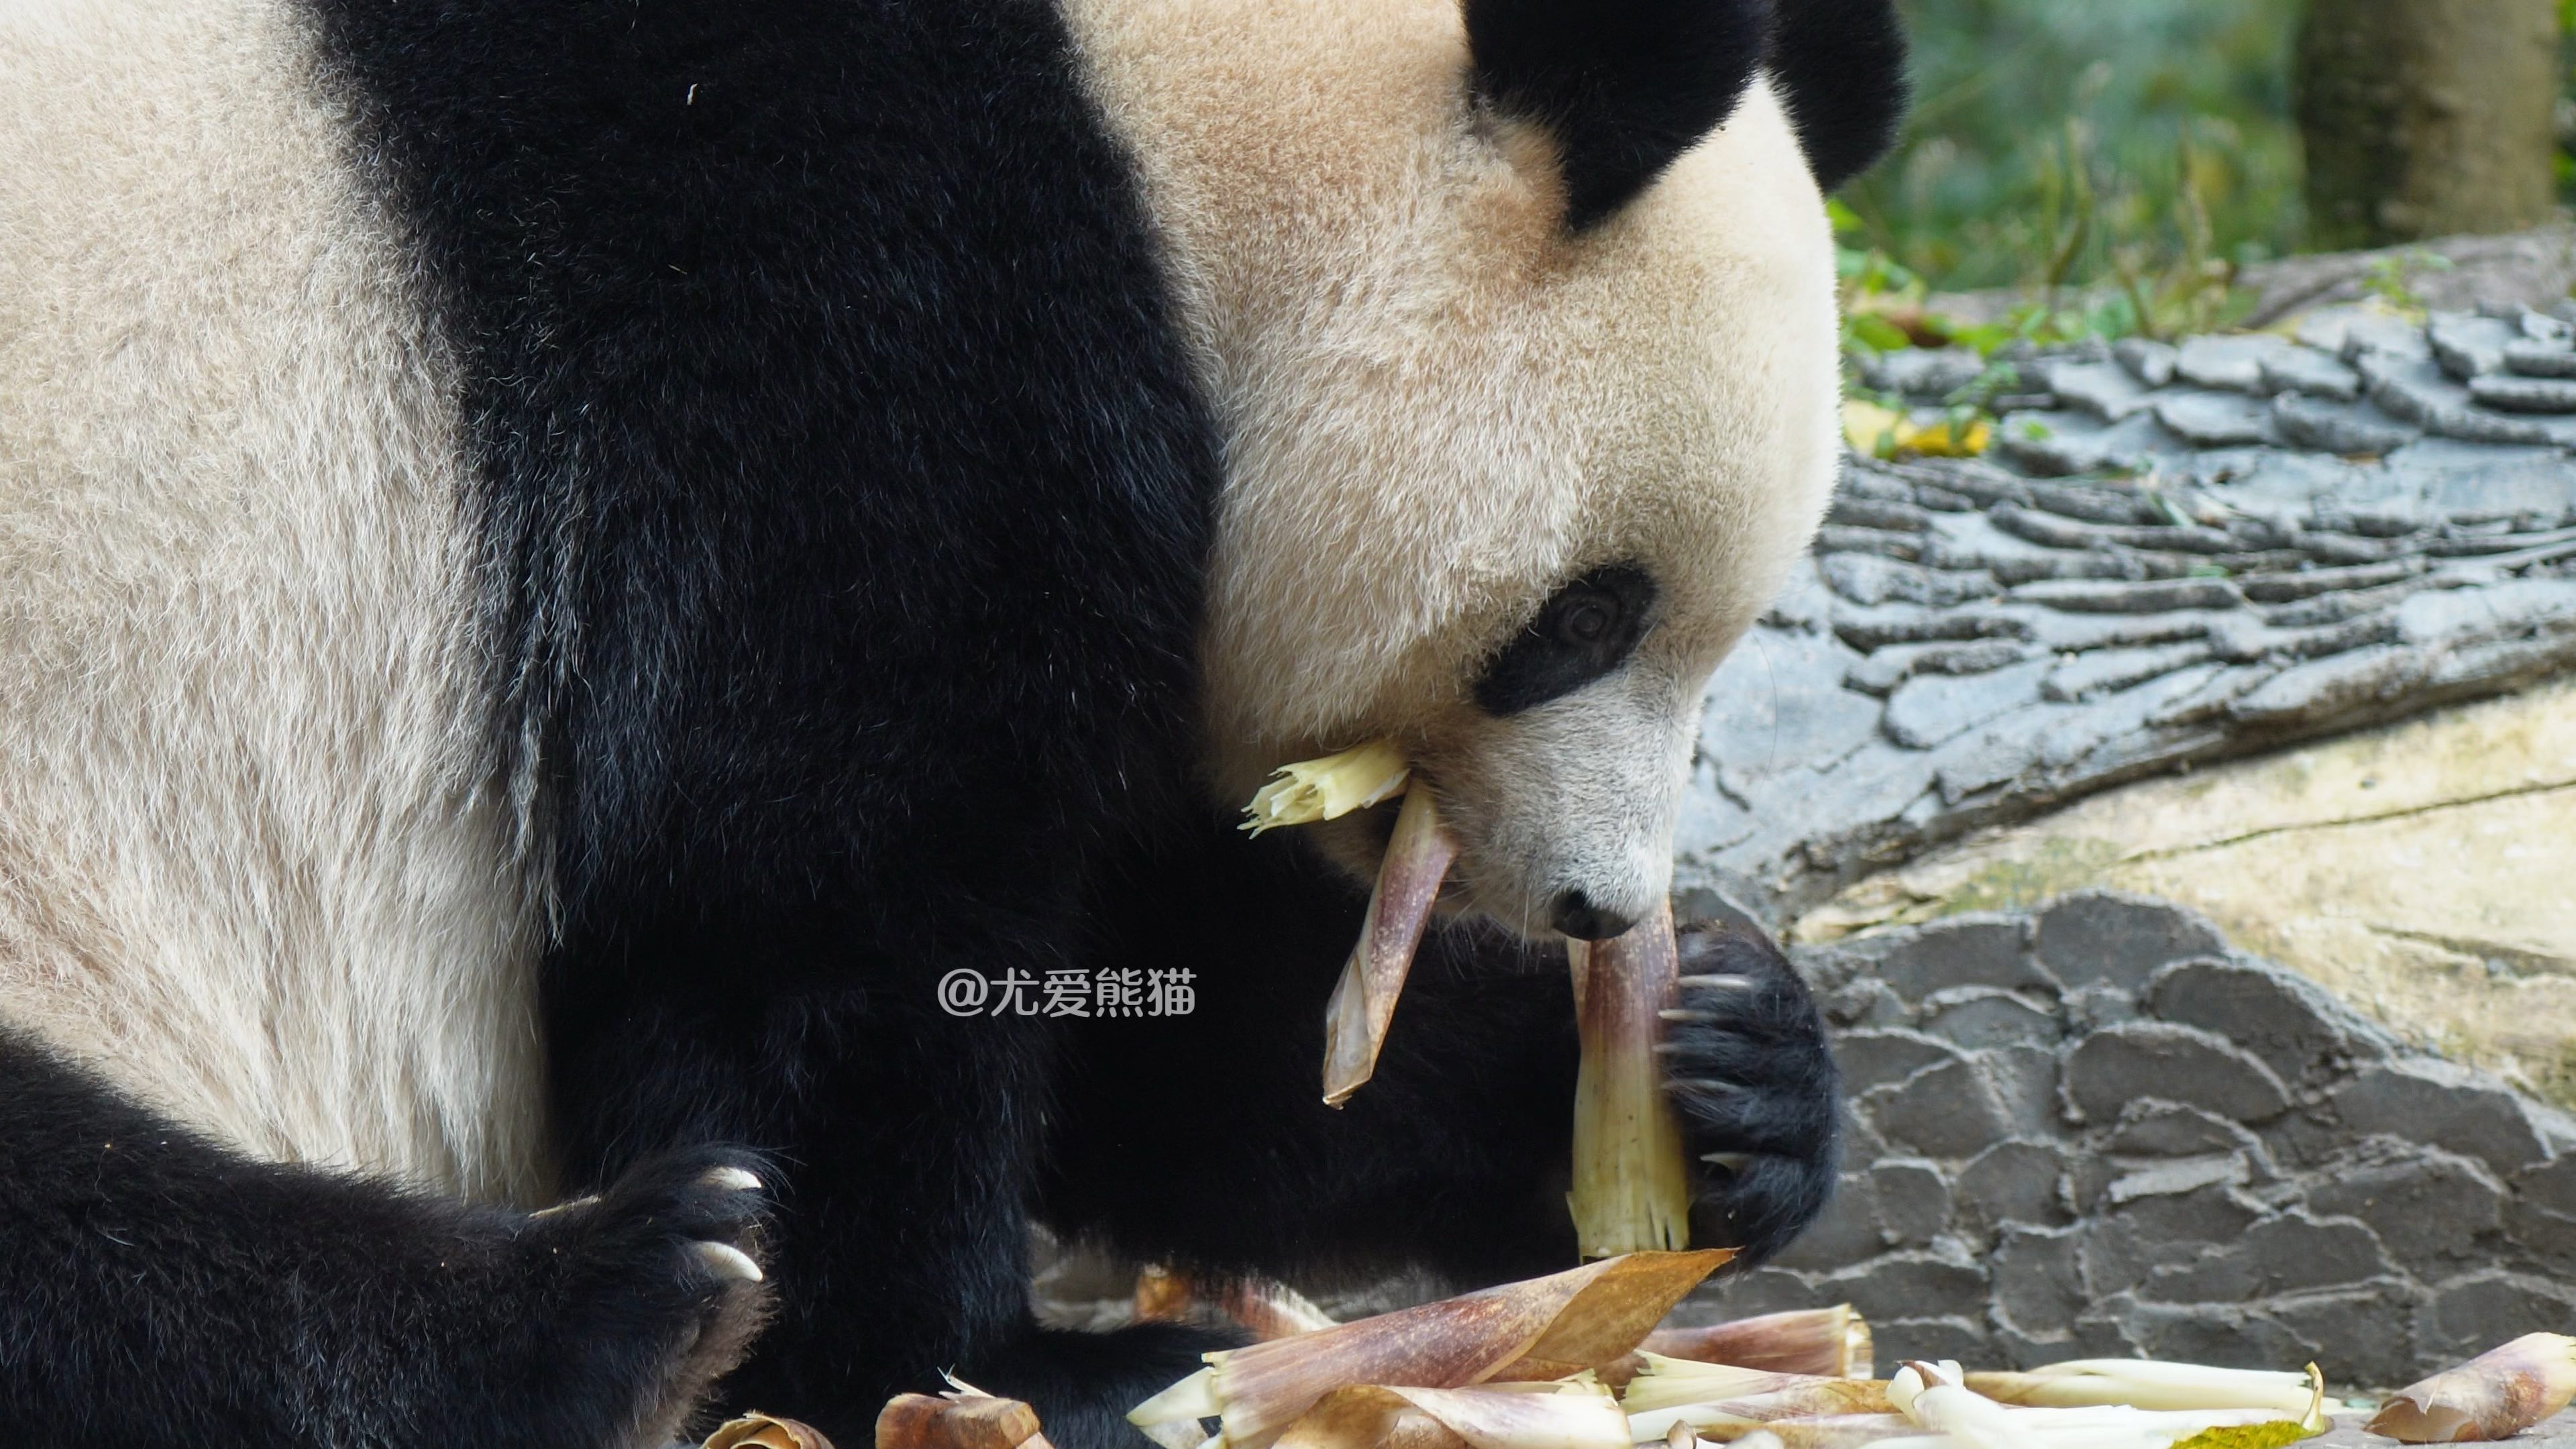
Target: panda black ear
[
  {"x": 1624, "y": 86},
  {"x": 1841, "y": 68},
  {"x": 1627, "y": 85}
]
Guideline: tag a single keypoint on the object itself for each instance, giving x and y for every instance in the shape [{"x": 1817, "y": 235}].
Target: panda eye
[
  {"x": 1588, "y": 622},
  {"x": 1587, "y": 630}
]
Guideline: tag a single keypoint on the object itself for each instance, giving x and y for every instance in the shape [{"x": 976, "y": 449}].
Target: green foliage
[
  {"x": 1886, "y": 306},
  {"x": 2391, "y": 278},
  {"x": 2054, "y": 143}
]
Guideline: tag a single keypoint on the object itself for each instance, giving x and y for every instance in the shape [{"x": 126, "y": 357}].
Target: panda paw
[
  {"x": 1746, "y": 1065},
  {"x": 652, "y": 1288}
]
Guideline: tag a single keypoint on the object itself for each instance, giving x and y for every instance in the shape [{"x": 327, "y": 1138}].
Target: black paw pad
[{"x": 657, "y": 1281}]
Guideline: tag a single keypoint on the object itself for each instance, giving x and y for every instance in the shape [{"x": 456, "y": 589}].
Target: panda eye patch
[{"x": 1582, "y": 633}]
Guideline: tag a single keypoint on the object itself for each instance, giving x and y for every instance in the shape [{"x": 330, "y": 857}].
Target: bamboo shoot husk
[
  {"x": 1264, "y": 1308},
  {"x": 1162, "y": 1296},
  {"x": 1363, "y": 1001},
  {"x": 1832, "y": 1342},
  {"x": 2496, "y": 1395},
  {"x": 959, "y": 1419},
  {"x": 1381, "y": 1417},
  {"x": 766, "y": 1431},
  {"x": 1541, "y": 1329},
  {"x": 1660, "y": 1382},
  {"x": 1712, "y": 1424}
]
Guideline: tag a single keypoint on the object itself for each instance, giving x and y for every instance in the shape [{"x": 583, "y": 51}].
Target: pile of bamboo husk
[{"x": 1576, "y": 1360}]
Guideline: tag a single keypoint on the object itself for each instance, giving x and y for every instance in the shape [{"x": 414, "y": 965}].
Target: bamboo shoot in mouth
[{"x": 1632, "y": 1188}]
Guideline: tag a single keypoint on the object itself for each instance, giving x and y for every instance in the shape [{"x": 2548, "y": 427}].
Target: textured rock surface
[
  {"x": 2225, "y": 1165},
  {"x": 2417, "y": 870},
  {"x": 1974, "y": 643}
]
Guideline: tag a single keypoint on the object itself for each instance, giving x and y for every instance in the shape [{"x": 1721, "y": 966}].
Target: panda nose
[{"x": 1578, "y": 917}]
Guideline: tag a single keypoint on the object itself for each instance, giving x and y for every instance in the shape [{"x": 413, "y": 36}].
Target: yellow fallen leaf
[
  {"x": 1869, "y": 428},
  {"x": 1882, "y": 432}
]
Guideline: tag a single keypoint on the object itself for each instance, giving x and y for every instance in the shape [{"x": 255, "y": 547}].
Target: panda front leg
[
  {"x": 1202, "y": 1139},
  {"x": 905, "y": 1125},
  {"x": 156, "y": 1288}
]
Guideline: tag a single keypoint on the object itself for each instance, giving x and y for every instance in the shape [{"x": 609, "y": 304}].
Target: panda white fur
[{"x": 563, "y": 562}]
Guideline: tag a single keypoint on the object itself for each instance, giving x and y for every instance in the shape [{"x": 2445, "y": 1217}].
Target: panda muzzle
[{"x": 1631, "y": 1184}]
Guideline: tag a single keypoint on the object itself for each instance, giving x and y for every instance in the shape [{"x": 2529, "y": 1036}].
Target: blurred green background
[{"x": 2091, "y": 141}]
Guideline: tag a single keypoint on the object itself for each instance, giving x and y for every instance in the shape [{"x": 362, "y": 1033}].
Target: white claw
[
  {"x": 1731, "y": 1161},
  {"x": 1685, "y": 1014},
  {"x": 565, "y": 1207},
  {"x": 1720, "y": 983},
  {"x": 731, "y": 1177},
  {"x": 727, "y": 1261}
]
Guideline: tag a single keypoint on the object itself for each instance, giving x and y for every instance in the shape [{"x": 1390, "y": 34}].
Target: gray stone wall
[
  {"x": 2303, "y": 538},
  {"x": 2097, "y": 1131}
]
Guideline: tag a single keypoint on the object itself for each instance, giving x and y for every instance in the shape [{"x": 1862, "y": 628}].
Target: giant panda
[{"x": 564, "y": 562}]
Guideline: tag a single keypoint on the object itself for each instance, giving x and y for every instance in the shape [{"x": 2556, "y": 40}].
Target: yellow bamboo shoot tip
[{"x": 1329, "y": 788}]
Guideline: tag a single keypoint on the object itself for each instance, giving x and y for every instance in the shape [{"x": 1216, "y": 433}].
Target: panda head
[{"x": 1518, "y": 325}]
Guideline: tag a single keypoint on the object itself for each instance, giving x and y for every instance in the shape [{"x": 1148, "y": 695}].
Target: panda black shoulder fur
[{"x": 564, "y": 561}]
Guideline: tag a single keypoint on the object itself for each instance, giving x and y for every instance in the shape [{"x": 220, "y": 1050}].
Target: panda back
[{"x": 254, "y": 862}]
